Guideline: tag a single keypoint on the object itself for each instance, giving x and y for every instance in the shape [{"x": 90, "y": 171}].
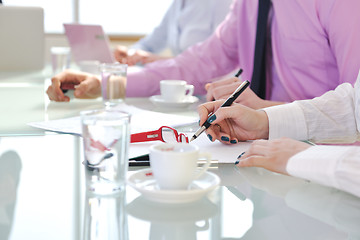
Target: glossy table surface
[{"x": 42, "y": 193}]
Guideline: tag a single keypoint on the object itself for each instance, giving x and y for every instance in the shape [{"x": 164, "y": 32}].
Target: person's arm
[
  {"x": 156, "y": 41},
  {"x": 223, "y": 88},
  {"x": 334, "y": 166},
  {"x": 328, "y": 118},
  {"x": 216, "y": 56},
  {"x": 336, "y": 16},
  {"x": 197, "y": 21}
]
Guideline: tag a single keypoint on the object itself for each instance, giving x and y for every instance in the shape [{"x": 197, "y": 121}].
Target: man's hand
[
  {"x": 85, "y": 85},
  {"x": 222, "y": 89}
]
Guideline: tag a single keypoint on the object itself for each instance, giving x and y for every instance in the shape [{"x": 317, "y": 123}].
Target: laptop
[
  {"x": 22, "y": 41},
  {"x": 88, "y": 43}
]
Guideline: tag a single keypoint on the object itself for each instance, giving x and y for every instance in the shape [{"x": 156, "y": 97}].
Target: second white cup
[
  {"x": 175, "y": 90},
  {"x": 175, "y": 165}
]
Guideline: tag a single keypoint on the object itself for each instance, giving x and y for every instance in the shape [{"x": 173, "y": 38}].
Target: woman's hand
[
  {"x": 272, "y": 155},
  {"x": 234, "y": 123}
]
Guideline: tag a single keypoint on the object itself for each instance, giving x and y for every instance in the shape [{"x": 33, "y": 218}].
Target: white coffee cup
[
  {"x": 175, "y": 165},
  {"x": 175, "y": 90}
]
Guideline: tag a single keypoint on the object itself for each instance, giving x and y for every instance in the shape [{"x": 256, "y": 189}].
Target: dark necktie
[{"x": 258, "y": 80}]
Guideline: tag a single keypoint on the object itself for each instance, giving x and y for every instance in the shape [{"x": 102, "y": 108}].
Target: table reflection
[
  {"x": 320, "y": 212},
  {"x": 174, "y": 221},
  {"x": 10, "y": 167},
  {"x": 105, "y": 217},
  {"x": 334, "y": 207}
]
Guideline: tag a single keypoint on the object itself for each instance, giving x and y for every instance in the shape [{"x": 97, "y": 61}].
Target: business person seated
[
  {"x": 332, "y": 118},
  {"x": 310, "y": 49},
  {"x": 185, "y": 23}
]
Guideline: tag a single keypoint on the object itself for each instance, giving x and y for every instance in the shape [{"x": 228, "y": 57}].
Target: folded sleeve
[
  {"x": 330, "y": 118},
  {"x": 334, "y": 166},
  {"x": 286, "y": 120}
]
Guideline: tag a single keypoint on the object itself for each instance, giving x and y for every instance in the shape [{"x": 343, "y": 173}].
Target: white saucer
[
  {"x": 160, "y": 102},
  {"x": 144, "y": 182}
]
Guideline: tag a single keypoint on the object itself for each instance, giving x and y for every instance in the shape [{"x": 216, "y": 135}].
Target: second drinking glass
[{"x": 113, "y": 82}]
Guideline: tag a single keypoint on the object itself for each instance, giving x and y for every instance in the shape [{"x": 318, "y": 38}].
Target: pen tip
[{"x": 192, "y": 139}]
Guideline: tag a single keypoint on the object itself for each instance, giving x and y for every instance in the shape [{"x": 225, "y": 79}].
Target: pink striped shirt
[{"x": 315, "y": 47}]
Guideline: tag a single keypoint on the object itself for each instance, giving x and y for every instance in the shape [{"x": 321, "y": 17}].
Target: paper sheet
[
  {"x": 143, "y": 120},
  {"x": 219, "y": 151}
]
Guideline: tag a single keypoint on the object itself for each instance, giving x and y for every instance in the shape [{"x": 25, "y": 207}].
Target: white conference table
[{"x": 42, "y": 193}]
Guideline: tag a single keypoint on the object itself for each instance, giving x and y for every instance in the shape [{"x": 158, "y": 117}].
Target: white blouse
[{"x": 332, "y": 118}]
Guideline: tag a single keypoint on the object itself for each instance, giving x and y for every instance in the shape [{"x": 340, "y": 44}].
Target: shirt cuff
[
  {"x": 286, "y": 120},
  {"x": 317, "y": 164}
]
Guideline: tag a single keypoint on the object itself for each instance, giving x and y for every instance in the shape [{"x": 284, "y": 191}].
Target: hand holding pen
[
  {"x": 227, "y": 103},
  {"x": 234, "y": 123}
]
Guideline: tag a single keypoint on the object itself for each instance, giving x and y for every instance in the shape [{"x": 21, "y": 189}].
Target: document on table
[
  {"x": 219, "y": 151},
  {"x": 143, "y": 120}
]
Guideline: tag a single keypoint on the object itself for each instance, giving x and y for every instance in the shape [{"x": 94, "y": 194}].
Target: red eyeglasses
[{"x": 164, "y": 133}]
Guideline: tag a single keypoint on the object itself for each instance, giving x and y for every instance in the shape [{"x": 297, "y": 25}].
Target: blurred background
[{"x": 124, "y": 21}]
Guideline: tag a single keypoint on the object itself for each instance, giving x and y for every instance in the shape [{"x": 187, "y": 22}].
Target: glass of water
[
  {"x": 113, "y": 81},
  {"x": 106, "y": 137}
]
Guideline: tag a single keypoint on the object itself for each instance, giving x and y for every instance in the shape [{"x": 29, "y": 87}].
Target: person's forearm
[
  {"x": 334, "y": 166},
  {"x": 286, "y": 120},
  {"x": 331, "y": 117}
]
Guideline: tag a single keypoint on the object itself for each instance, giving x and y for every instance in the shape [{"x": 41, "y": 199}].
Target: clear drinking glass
[
  {"x": 113, "y": 80},
  {"x": 60, "y": 59},
  {"x": 106, "y": 137}
]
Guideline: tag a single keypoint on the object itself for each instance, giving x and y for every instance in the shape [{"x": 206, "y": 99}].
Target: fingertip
[{"x": 207, "y": 86}]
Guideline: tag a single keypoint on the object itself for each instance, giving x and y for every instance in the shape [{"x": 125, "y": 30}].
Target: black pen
[
  {"x": 227, "y": 103},
  {"x": 139, "y": 163},
  {"x": 239, "y": 73},
  {"x": 142, "y": 160}
]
